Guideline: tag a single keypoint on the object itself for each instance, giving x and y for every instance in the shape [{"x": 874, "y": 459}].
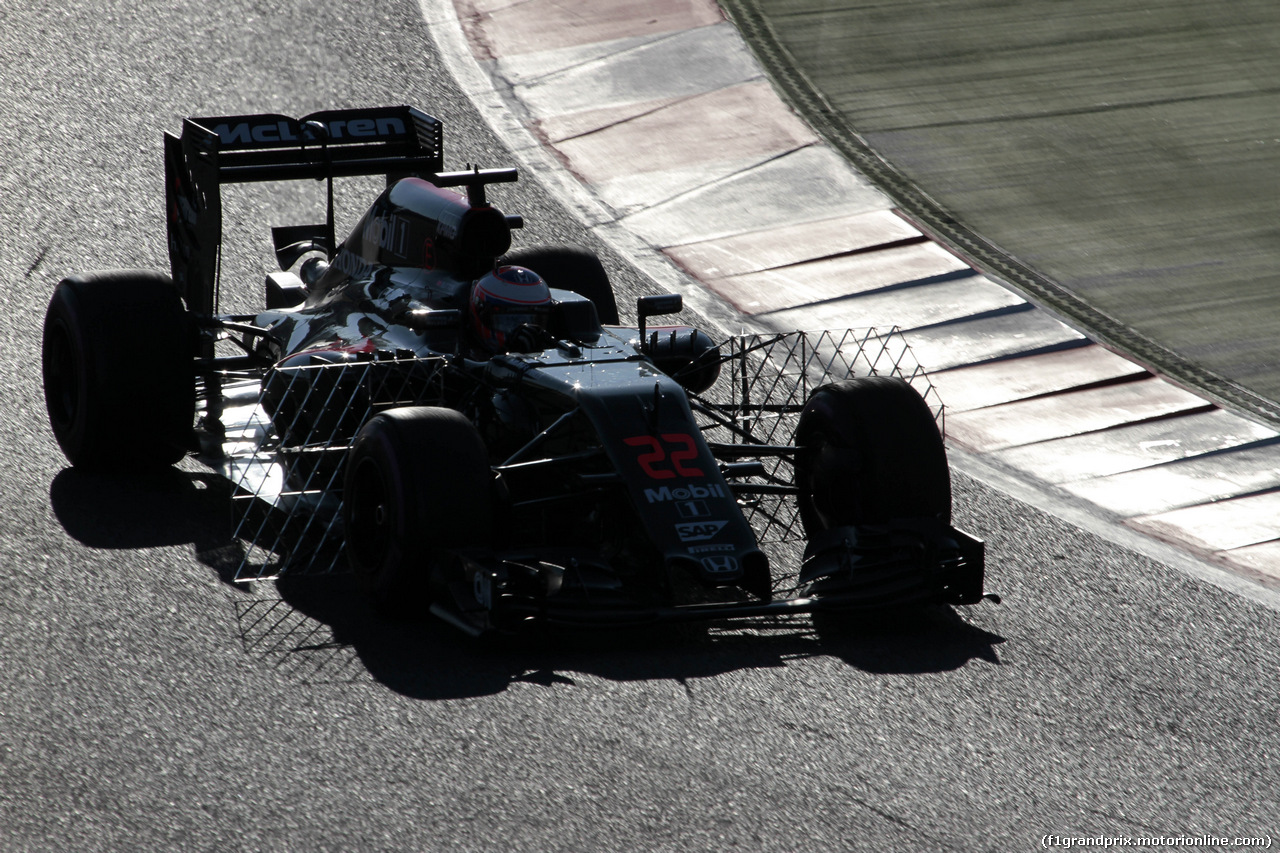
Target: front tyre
[
  {"x": 874, "y": 498},
  {"x": 418, "y": 484},
  {"x": 119, "y": 376},
  {"x": 869, "y": 453}
]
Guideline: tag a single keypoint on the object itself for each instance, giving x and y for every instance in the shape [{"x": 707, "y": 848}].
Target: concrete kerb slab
[
  {"x": 1135, "y": 447},
  {"x": 741, "y": 254},
  {"x": 1072, "y": 412},
  {"x": 728, "y": 208},
  {"x": 662, "y": 66},
  {"x": 909, "y": 305},
  {"x": 1004, "y": 334},
  {"x": 979, "y": 386},
  {"x": 1181, "y": 483},
  {"x": 513, "y": 27},
  {"x": 806, "y": 185},
  {"x": 1167, "y": 546}
]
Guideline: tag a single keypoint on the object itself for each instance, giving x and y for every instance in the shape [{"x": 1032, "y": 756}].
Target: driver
[{"x": 503, "y": 302}]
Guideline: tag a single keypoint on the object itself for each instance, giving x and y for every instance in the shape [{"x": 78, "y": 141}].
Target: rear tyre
[
  {"x": 418, "y": 484},
  {"x": 869, "y": 452},
  {"x": 571, "y": 268},
  {"x": 119, "y": 375}
]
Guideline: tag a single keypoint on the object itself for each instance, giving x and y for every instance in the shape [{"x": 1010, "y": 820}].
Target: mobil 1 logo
[
  {"x": 693, "y": 509},
  {"x": 684, "y": 494}
]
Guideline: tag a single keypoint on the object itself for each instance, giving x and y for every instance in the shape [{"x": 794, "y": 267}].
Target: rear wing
[{"x": 212, "y": 151}]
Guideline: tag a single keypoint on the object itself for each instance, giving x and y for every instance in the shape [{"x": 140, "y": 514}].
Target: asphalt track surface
[{"x": 147, "y": 704}]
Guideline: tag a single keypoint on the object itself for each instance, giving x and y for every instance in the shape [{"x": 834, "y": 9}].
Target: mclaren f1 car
[{"x": 473, "y": 431}]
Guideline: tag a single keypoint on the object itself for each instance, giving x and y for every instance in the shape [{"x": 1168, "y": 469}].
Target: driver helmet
[{"x": 506, "y": 299}]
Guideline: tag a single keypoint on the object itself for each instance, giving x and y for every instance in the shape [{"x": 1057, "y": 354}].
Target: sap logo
[
  {"x": 681, "y": 493},
  {"x": 720, "y": 565},
  {"x": 699, "y": 531}
]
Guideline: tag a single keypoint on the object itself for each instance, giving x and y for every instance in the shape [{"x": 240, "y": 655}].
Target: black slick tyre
[
  {"x": 869, "y": 453},
  {"x": 119, "y": 375},
  {"x": 571, "y": 268},
  {"x": 417, "y": 484}
]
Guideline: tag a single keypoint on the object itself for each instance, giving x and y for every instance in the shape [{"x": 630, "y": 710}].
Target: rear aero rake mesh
[
  {"x": 764, "y": 382},
  {"x": 286, "y": 454}
]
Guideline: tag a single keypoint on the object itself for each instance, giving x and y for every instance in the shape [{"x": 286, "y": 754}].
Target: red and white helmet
[{"x": 506, "y": 299}]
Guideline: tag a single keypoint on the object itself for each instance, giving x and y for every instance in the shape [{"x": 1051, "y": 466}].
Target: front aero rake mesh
[
  {"x": 286, "y": 450},
  {"x": 286, "y": 455}
]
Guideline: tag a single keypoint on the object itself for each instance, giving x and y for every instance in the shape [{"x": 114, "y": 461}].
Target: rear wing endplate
[{"x": 392, "y": 141}]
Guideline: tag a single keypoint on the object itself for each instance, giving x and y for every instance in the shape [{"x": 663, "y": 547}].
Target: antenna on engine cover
[{"x": 474, "y": 179}]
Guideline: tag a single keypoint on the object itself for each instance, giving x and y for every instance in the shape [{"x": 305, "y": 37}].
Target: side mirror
[
  {"x": 285, "y": 290},
  {"x": 652, "y": 306}
]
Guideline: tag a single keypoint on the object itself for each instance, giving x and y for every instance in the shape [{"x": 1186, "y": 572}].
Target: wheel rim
[{"x": 370, "y": 519}]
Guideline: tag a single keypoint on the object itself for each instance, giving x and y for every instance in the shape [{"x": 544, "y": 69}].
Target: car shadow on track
[
  {"x": 323, "y": 629},
  {"x": 166, "y": 507},
  {"x": 318, "y": 627}
]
